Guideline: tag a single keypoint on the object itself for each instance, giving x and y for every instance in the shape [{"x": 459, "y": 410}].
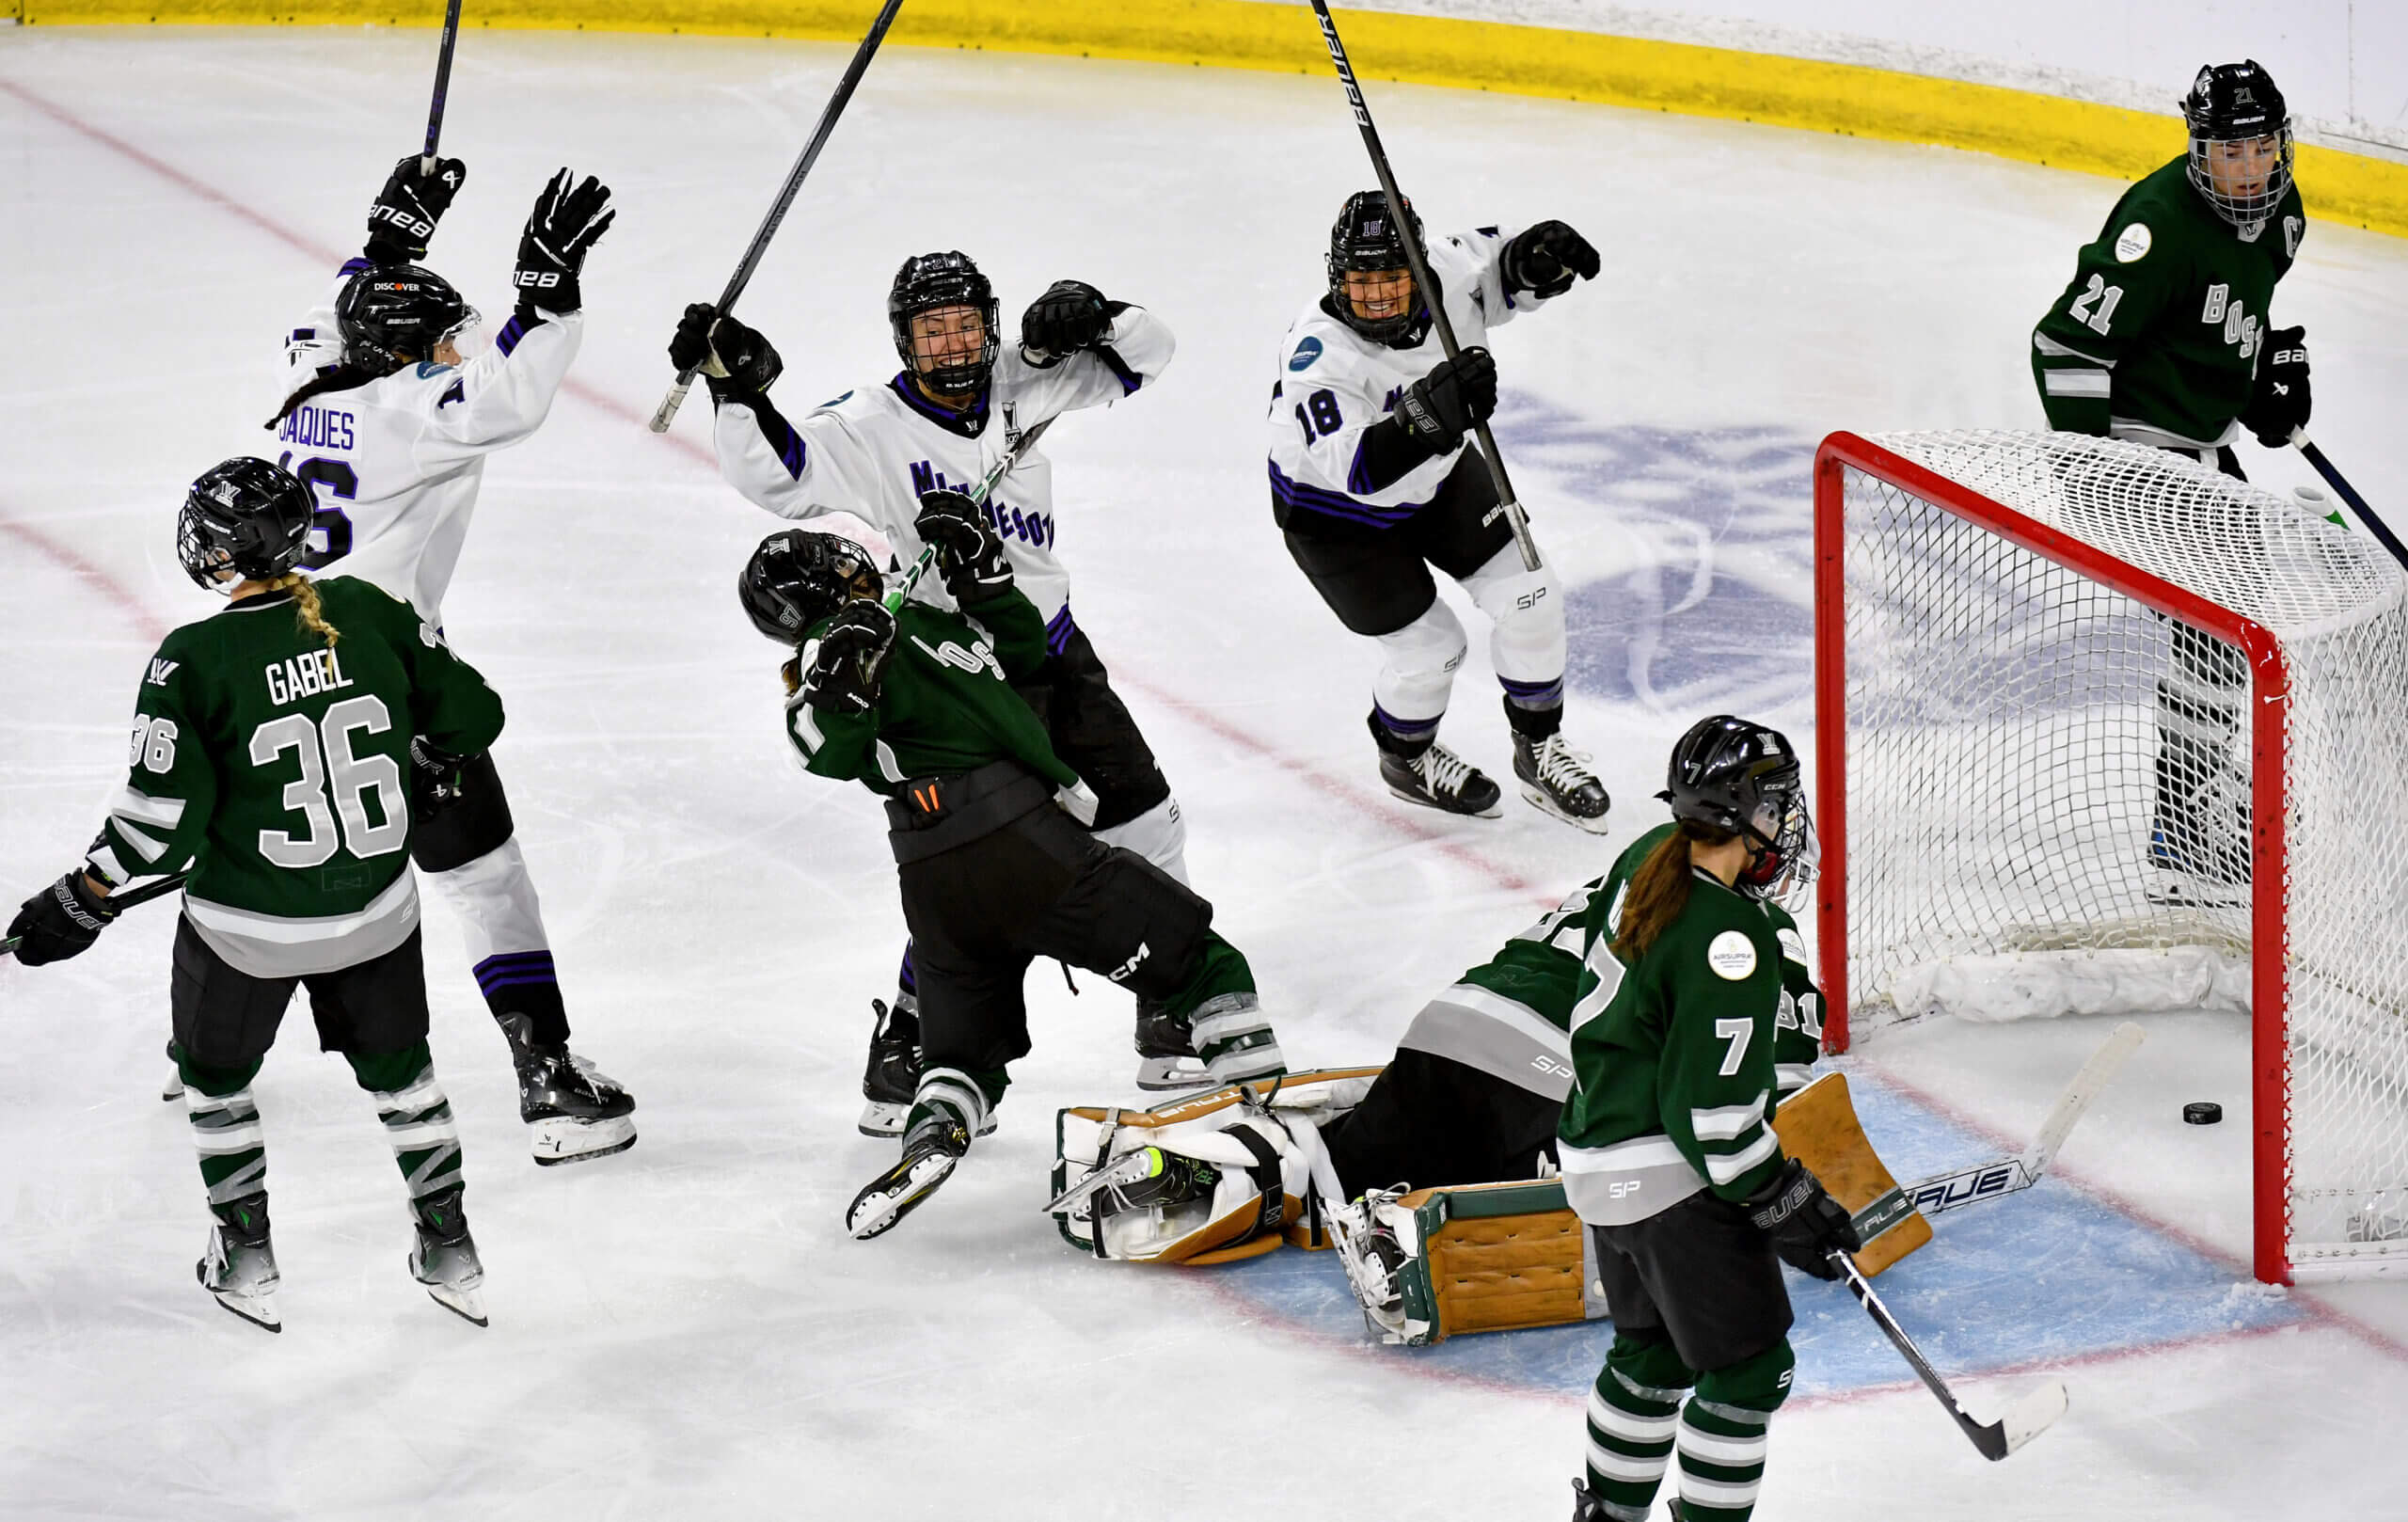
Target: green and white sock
[
  {"x": 233, "y": 1149},
  {"x": 1630, "y": 1441}
]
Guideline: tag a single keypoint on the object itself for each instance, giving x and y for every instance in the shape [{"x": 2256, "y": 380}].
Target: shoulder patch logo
[
  {"x": 2132, "y": 245},
  {"x": 160, "y": 671},
  {"x": 834, "y": 401},
  {"x": 1732, "y": 955},
  {"x": 1306, "y": 352},
  {"x": 1793, "y": 946},
  {"x": 2292, "y": 229},
  {"x": 429, "y": 636}
]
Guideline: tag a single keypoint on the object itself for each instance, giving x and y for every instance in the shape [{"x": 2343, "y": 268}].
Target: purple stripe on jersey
[
  {"x": 1534, "y": 695},
  {"x": 1130, "y": 379},
  {"x": 512, "y": 331},
  {"x": 1058, "y": 631},
  {"x": 301, "y": 333},
  {"x": 1335, "y": 504},
  {"x": 1358, "y": 474},
  {"x": 1406, "y": 729},
  {"x": 354, "y": 266},
  {"x": 781, "y": 435},
  {"x": 969, "y": 421},
  {"x": 515, "y": 968}
]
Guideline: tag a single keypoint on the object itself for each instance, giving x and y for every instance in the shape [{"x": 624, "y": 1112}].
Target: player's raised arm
[
  {"x": 1086, "y": 350},
  {"x": 790, "y": 468}
]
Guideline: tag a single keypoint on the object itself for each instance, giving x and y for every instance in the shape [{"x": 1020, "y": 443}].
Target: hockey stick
[
  {"x": 1422, "y": 283},
  {"x": 928, "y": 556},
  {"x": 122, "y": 900},
  {"x": 743, "y": 276},
  {"x": 2025, "y": 1419},
  {"x": 442, "y": 86},
  {"x": 2004, "y": 1176},
  {"x": 2350, "y": 494}
]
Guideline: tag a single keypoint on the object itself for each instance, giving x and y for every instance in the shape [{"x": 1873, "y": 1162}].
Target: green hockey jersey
[
  {"x": 275, "y": 768},
  {"x": 945, "y": 704},
  {"x": 1676, "y": 1058},
  {"x": 1511, "y": 1017},
  {"x": 2157, "y": 337}
]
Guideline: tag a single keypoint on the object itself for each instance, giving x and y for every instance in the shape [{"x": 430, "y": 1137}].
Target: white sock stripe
[
  {"x": 957, "y": 1090},
  {"x": 1714, "y": 1447},
  {"x": 1669, "y": 1399},
  {"x": 424, "y": 1093},
  {"x": 223, "y": 1140},
  {"x": 201, "y": 1104},
  {"x": 1630, "y": 1426},
  {"x": 419, "y": 1137},
  {"x": 1624, "y": 1467},
  {"x": 1716, "y": 1492}
]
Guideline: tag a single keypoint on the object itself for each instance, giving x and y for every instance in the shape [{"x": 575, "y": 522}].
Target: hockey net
[{"x": 2102, "y": 730}]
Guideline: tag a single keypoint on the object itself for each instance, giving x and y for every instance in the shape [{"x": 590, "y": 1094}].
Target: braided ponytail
[{"x": 306, "y": 603}]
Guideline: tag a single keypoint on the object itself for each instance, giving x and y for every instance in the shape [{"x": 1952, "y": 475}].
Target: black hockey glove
[
  {"x": 401, "y": 219},
  {"x": 1543, "y": 259},
  {"x": 844, "y": 676},
  {"x": 434, "y": 780},
  {"x": 2279, "y": 404},
  {"x": 734, "y": 359},
  {"x": 1069, "y": 317},
  {"x": 1440, "y": 408},
  {"x": 61, "y": 921},
  {"x": 1804, "y": 1223},
  {"x": 568, "y": 219},
  {"x": 970, "y": 554}
]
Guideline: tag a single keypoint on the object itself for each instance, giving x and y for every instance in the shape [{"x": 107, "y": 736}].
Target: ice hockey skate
[
  {"x": 892, "y": 1080},
  {"x": 575, "y": 1111},
  {"x": 1555, "y": 780},
  {"x": 444, "y": 1257},
  {"x": 239, "y": 1267},
  {"x": 2185, "y": 879},
  {"x": 930, "y": 1152},
  {"x": 1167, "y": 1057},
  {"x": 1435, "y": 777},
  {"x": 1374, "y": 1257}
]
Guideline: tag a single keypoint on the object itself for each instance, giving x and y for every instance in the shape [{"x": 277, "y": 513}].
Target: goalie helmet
[
  {"x": 390, "y": 315},
  {"x": 1366, "y": 238},
  {"x": 798, "y": 576},
  {"x": 243, "y": 520},
  {"x": 927, "y": 282},
  {"x": 2235, "y": 103},
  {"x": 1742, "y": 778}
]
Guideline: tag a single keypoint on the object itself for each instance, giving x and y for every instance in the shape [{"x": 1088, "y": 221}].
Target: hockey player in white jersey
[
  {"x": 389, "y": 428},
  {"x": 1373, "y": 482},
  {"x": 962, "y": 399}
]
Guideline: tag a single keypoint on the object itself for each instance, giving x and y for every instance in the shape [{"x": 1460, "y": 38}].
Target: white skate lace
[
  {"x": 1560, "y": 765},
  {"x": 1443, "y": 772}
]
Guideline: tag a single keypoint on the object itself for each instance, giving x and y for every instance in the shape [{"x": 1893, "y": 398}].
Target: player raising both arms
[
  {"x": 2164, "y": 338},
  {"x": 1373, "y": 482},
  {"x": 1668, "y": 1151},
  {"x": 919, "y": 707},
  {"x": 282, "y": 751},
  {"x": 389, "y": 429},
  {"x": 962, "y": 399}
]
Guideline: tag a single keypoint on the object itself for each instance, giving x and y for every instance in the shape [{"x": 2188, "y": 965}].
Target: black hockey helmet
[
  {"x": 246, "y": 517},
  {"x": 390, "y": 315},
  {"x": 927, "y": 282},
  {"x": 1365, "y": 237},
  {"x": 801, "y": 576},
  {"x": 2233, "y": 102},
  {"x": 1743, "y": 778}
]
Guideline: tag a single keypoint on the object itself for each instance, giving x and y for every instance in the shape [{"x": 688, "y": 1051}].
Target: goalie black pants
[
  {"x": 1040, "y": 885},
  {"x": 1429, "y": 1122}
]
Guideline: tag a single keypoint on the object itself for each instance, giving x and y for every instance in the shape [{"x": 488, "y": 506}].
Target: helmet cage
[
  {"x": 2238, "y": 103},
  {"x": 930, "y": 282},
  {"x": 245, "y": 520},
  {"x": 798, "y": 576},
  {"x": 2243, "y": 210},
  {"x": 1366, "y": 238}
]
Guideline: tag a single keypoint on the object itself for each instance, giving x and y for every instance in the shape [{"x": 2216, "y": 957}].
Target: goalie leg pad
[
  {"x": 1490, "y": 1257},
  {"x": 1818, "y": 1126}
]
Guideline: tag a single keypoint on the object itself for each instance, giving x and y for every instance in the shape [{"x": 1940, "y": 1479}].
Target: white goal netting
[{"x": 2049, "y": 787}]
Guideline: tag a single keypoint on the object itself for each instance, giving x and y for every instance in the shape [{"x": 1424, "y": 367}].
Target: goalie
[{"x": 1472, "y": 1096}]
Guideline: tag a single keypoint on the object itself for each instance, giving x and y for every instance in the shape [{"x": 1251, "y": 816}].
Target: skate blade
[
  {"x": 879, "y": 1209},
  {"x": 461, "y": 1301},
  {"x": 173, "y": 1089},
  {"x": 1157, "y": 1075},
  {"x": 561, "y": 1139},
  {"x": 1538, "y": 799},
  {"x": 257, "y": 1307},
  {"x": 1435, "y": 806}
]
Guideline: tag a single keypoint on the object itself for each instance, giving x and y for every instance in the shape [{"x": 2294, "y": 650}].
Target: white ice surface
[{"x": 683, "y": 1331}]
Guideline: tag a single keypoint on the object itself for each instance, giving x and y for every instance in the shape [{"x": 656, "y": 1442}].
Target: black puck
[{"x": 2202, "y": 1113}]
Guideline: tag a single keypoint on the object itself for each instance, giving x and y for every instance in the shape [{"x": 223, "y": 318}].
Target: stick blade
[{"x": 2031, "y": 1415}]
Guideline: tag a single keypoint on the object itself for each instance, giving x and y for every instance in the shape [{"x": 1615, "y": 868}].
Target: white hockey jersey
[
  {"x": 396, "y": 464},
  {"x": 1333, "y": 386},
  {"x": 871, "y": 451}
]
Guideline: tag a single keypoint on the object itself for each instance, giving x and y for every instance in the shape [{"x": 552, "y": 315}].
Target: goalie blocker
[{"x": 1229, "y": 1175}]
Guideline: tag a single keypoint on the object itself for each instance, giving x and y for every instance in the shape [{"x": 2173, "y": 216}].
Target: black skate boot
[
  {"x": 892, "y": 1076},
  {"x": 1556, "y": 781},
  {"x": 1586, "y": 1507},
  {"x": 444, "y": 1257},
  {"x": 1166, "y": 1051},
  {"x": 239, "y": 1266},
  {"x": 1427, "y": 773},
  {"x": 930, "y": 1153},
  {"x": 576, "y": 1112}
]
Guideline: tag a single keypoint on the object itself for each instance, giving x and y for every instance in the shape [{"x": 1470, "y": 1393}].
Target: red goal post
[{"x": 1998, "y": 687}]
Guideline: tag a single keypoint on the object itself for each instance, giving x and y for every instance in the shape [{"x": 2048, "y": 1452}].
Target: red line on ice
[{"x": 94, "y": 577}]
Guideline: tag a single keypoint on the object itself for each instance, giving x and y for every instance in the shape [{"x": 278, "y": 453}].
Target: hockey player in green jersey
[
  {"x": 2165, "y": 335},
  {"x": 1666, "y": 1145},
  {"x": 917, "y": 704},
  {"x": 280, "y": 750}
]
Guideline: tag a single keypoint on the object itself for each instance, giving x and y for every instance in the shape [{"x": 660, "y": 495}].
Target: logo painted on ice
[{"x": 1306, "y": 352}]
